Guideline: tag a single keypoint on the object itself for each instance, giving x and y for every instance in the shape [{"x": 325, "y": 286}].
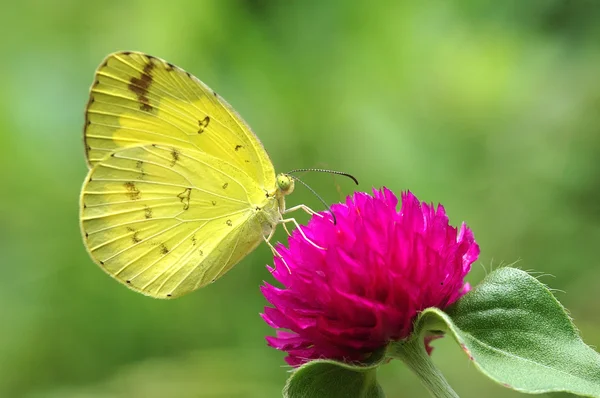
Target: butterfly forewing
[{"x": 137, "y": 99}]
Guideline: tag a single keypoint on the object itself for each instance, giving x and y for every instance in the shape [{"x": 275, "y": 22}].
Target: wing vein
[{"x": 163, "y": 257}]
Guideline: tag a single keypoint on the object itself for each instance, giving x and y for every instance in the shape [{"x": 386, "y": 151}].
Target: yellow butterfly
[{"x": 179, "y": 188}]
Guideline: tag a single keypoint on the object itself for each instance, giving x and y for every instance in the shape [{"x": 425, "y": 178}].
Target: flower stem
[{"x": 412, "y": 352}]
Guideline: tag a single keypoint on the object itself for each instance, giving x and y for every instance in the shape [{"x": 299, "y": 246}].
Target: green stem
[{"x": 412, "y": 352}]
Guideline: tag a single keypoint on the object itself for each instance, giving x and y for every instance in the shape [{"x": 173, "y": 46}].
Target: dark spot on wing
[
  {"x": 135, "y": 238},
  {"x": 215, "y": 94},
  {"x": 132, "y": 192},
  {"x": 170, "y": 67},
  {"x": 174, "y": 156},
  {"x": 87, "y": 235},
  {"x": 194, "y": 240},
  {"x": 225, "y": 185},
  {"x": 203, "y": 124},
  {"x": 163, "y": 248},
  {"x": 140, "y": 86},
  {"x": 101, "y": 262},
  {"x": 128, "y": 281},
  {"x": 140, "y": 166},
  {"x": 228, "y": 222},
  {"x": 126, "y": 52},
  {"x": 247, "y": 161},
  {"x": 147, "y": 212},
  {"x": 201, "y": 252},
  {"x": 237, "y": 147},
  {"x": 168, "y": 294},
  {"x": 214, "y": 202},
  {"x": 185, "y": 198}
]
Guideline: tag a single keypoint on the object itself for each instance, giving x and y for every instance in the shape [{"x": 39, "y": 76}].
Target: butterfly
[{"x": 179, "y": 189}]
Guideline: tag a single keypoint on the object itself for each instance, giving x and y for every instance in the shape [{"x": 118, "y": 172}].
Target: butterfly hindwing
[{"x": 166, "y": 220}]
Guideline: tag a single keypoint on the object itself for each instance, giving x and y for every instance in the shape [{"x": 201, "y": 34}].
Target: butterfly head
[{"x": 285, "y": 184}]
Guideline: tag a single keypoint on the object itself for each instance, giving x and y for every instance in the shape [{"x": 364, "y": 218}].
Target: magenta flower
[{"x": 379, "y": 269}]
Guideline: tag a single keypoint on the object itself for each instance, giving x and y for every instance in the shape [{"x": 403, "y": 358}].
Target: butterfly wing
[
  {"x": 166, "y": 220},
  {"x": 138, "y": 99}
]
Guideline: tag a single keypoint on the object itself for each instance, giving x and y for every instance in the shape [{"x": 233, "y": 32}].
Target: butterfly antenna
[
  {"x": 325, "y": 171},
  {"x": 317, "y": 195}
]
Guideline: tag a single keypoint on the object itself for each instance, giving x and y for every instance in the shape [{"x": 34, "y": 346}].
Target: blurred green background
[{"x": 491, "y": 108}]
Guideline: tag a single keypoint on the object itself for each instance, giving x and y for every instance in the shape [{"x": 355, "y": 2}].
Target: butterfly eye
[{"x": 285, "y": 184}]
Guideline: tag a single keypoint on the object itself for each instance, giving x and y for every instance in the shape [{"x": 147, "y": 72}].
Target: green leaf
[
  {"x": 518, "y": 334},
  {"x": 326, "y": 378}
]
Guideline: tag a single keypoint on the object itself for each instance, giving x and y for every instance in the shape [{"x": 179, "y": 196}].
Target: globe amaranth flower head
[{"x": 375, "y": 270}]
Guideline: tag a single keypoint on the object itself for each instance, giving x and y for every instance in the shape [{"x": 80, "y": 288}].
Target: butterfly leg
[
  {"x": 286, "y": 229},
  {"x": 293, "y": 220},
  {"x": 305, "y": 208},
  {"x": 275, "y": 252}
]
